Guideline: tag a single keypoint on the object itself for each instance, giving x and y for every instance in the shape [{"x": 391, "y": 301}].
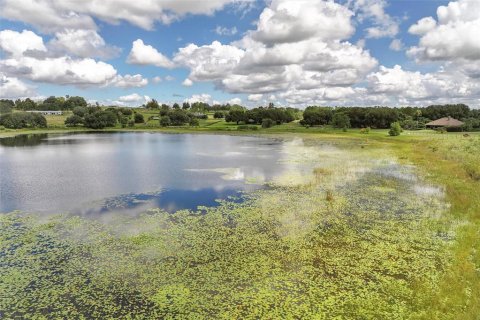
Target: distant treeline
[
  {"x": 50, "y": 104},
  {"x": 382, "y": 117},
  {"x": 193, "y": 107},
  {"x": 266, "y": 116}
]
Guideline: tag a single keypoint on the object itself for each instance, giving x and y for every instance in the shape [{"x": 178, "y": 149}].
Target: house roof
[{"x": 445, "y": 122}]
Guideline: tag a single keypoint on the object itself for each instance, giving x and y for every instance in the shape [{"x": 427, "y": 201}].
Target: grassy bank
[
  {"x": 357, "y": 236},
  {"x": 453, "y": 161}
]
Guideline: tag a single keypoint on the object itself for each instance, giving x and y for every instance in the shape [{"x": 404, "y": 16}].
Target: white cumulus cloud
[
  {"x": 129, "y": 81},
  {"x": 288, "y": 50},
  {"x": 287, "y": 21},
  {"x": 383, "y": 25},
  {"x": 26, "y": 57},
  {"x": 224, "y": 31},
  {"x": 17, "y": 43},
  {"x": 453, "y": 37},
  {"x": 204, "y": 97},
  {"x": 11, "y": 88},
  {"x": 83, "y": 43},
  {"x": 134, "y": 97},
  {"x": 56, "y": 15},
  {"x": 396, "y": 45},
  {"x": 143, "y": 54},
  {"x": 187, "y": 83},
  {"x": 423, "y": 26},
  {"x": 255, "y": 97}
]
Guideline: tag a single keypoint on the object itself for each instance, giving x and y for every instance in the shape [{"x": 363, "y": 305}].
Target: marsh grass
[
  {"x": 376, "y": 248},
  {"x": 452, "y": 161}
]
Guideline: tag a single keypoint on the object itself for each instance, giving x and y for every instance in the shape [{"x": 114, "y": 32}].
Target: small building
[
  {"x": 447, "y": 122},
  {"x": 48, "y": 112}
]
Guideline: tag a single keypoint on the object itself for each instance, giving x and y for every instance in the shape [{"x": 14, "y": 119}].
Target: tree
[
  {"x": 5, "y": 107},
  {"x": 100, "y": 120},
  {"x": 165, "y": 121},
  {"x": 126, "y": 111},
  {"x": 123, "y": 121},
  {"x": 178, "y": 117},
  {"x": 268, "y": 123},
  {"x": 27, "y": 104},
  {"x": 194, "y": 122},
  {"x": 73, "y": 121},
  {"x": 73, "y": 102},
  {"x": 218, "y": 115},
  {"x": 7, "y": 102},
  {"x": 314, "y": 116},
  {"x": 80, "y": 111},
  {"x": 186, "y": 106},
  {"x": 395, "y": 129},
  {"x": 138, "y": 118},
  {"x": 236, "y": 116},
  {"x": 165, "y": 109},
  {"x": 37, "y": 120},
  {"x": 52, "y": 103},
  {"x": 19, "y": 120},
  {"x": 176, "y": 106},
  {"x": 471, "y": 124},
  {"x": 340, "y": 120},
  {"x": 458, "y": 111},
  {"x": 152, "y": 104}
]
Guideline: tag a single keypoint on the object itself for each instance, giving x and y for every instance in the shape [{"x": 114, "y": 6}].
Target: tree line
[
  {"x": 98, "y": 118},
  {"x": 193, "y": 107},
  {"x": 411, "y": 118},
  {"x": 20, "y": 120},
  {"x": 380, "y": 117},
  {"x": 50, "y": 104},
  {"x": 266, "y": 116}
]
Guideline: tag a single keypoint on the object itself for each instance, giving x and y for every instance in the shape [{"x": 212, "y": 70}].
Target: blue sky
[{"x": 309, "y": 60}]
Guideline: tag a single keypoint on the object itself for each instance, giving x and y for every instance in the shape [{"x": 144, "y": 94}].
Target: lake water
[{"x": 91, "y": 174}]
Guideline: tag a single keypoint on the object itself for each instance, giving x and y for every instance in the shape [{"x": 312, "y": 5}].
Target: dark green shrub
[
  {"x": 194, "y": 122},
  {"x": 165, "y": 121},
  {"x": 73, "y": 121},
  {"x": 123, "y": 121},
  {"x": 218, "y": 115},
  {"x": 100, "y": 120},
  {"x": 395, "y": 129},
  {"x": 268, "y": 123},
  {"x": 80, "y": 111},
  {"x": 178, "y": 117},
  {"x": 19, "y": 120},
  {"x": 139, "y": 118}
]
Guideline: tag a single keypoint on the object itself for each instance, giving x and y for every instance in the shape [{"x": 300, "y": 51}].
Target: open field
[{"x": 380, "y": 228}]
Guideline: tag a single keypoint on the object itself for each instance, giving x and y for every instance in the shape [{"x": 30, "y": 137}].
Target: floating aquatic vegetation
[{"x": 289, "y": 251}]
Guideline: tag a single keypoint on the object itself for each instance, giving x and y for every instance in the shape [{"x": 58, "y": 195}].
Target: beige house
[{"x": 447, "y": 122}]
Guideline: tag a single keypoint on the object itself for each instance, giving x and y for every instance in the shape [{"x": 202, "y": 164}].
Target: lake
[
  {"x": 342, "y": 223},
  {"x": 95, "y": 173}
]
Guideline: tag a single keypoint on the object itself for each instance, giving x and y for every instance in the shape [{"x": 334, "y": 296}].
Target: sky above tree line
[{"x": 289, "y": 52}]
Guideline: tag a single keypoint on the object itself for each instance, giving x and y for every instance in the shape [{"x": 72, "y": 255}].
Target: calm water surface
[{"x": 90, "y": 174}]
